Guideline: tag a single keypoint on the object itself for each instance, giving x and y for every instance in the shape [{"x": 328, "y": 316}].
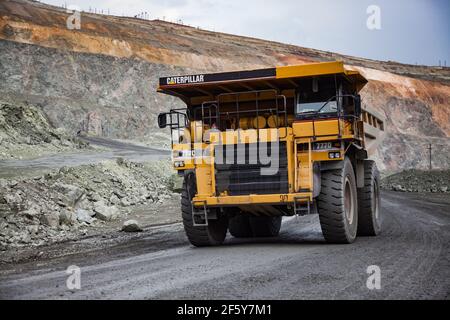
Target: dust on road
[{"x": 412, "y": 253}]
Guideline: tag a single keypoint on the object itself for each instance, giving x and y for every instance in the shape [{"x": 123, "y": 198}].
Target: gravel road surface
[{"x": 413, "y": 254}]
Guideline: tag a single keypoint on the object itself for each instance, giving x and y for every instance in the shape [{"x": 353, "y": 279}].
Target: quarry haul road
[
  {"x": 113, "y": 150},
  {"x": 413, "y": 254}
]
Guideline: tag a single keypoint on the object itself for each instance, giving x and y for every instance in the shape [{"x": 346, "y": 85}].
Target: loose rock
[
  {"x": 84, "y": 216},
  {"x": 67, "y": 217},
  {"x": 131, "y": 226},
  {"x": 50, "y": 219},
  {"x": 104, "y": 212}
]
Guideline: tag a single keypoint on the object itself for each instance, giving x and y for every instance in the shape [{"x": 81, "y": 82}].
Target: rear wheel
[
  {"x": 265, "y": 226},
  {"x": 338, "y": 205},
  {"x": 369, "y": 219},
  {"x": 212, "y": 235},
  {"x": 247, "y": 226},
  {"x": 239, "y": 226}
]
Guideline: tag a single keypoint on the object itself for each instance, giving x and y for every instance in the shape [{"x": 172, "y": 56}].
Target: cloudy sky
[{"x": 412, "y": 31}]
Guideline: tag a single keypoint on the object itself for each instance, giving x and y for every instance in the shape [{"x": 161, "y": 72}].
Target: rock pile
[
  {"x": 25, "y": 132},
  {"x": 418, "y": 181},
  {"x": 65, "y": 202}
]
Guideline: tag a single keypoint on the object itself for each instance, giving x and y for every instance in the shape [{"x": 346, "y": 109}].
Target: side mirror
[
  {"x": 357, "y": 105},
  {"x": 162, "y": 120}
]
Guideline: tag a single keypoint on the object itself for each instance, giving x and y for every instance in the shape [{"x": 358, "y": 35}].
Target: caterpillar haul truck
[{"x": 257, "y": 145}]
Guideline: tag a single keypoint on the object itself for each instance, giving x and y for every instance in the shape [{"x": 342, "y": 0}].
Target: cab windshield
[{"x": 316, "y": 107}]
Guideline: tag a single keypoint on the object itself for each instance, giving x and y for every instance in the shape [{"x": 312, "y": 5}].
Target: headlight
[
  {"x": 334, "y": 155},
  {"x": 179, "y": 164}
]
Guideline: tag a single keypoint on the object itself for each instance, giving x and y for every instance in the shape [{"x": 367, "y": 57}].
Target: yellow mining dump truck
[{"x": 257, "y": 145}]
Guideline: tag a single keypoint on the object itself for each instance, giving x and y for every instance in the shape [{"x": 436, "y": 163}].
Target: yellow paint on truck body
[
  {"x": 302, "y": 163},
  {"x": 309, "y": 70},
  {"x": 300, "y": 136},
  {"x": 299, "y": 167},
  {"x": 251, "y": 199}
]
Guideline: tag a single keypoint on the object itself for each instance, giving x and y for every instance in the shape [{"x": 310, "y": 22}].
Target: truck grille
[{"x": 246, "y": 178}]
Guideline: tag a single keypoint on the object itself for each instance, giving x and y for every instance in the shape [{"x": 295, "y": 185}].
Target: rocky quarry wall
[
  {"x": 25, "y": 132},
  {"x": 103, "y": 78}
]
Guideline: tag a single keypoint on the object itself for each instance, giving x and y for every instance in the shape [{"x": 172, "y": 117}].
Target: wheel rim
[
  {"x": 376, "y": 199},
  {"x": 349, "y": 207}
]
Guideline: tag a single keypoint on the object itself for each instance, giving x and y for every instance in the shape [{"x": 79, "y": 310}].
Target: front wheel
[
  {"x": 338, "y": 205},
  {"x": 212, "y": 235}
]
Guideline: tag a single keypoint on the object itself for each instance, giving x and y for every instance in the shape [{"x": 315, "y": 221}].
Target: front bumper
[{"x": 252, "y": 199}]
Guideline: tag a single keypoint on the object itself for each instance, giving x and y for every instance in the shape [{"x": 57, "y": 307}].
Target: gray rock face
[
  {"x": 114, "y": 199},
  {"x": 96, "y": 100},
  {"x": 33, "y": 229},
  {"x": 70, "y": 194},
  {"x": 95, "y": 197},
  {"x": 3, "y": 182},
  {"x": 54, "y": 206},
  {"x": 131, "y": 226},
  {"x": 92, "y": 124},
  {"x": 126, "y": 89},
  {"x": 67, "y": 217},
  {"x": 104, "y": 212},
  {"x": 124, "y": 202},
  {"x": 398, "y": 187},
  {"x": 31, "y": 212},
  {"x": 26, "y": 131},
  {"x": 84, "y": 216},
  {"x": 433, "y": 181},
  {"x": 50, "y": 219},
  {"x": 12, "y": 199}
]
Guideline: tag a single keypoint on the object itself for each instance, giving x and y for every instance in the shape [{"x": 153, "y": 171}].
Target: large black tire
[
  {"x": 369, "y": 217},
  {"x": 338, "y": 205},
  {"x": 212, "y": 235},
  {"x": 239, "y": 226},
  {"x": 265, "y": 226}
]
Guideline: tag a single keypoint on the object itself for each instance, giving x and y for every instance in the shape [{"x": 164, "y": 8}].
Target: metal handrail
[{"x": 257, "y": 110}]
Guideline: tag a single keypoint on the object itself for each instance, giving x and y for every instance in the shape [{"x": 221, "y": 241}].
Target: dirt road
[{"x": 413, "y": 254}]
